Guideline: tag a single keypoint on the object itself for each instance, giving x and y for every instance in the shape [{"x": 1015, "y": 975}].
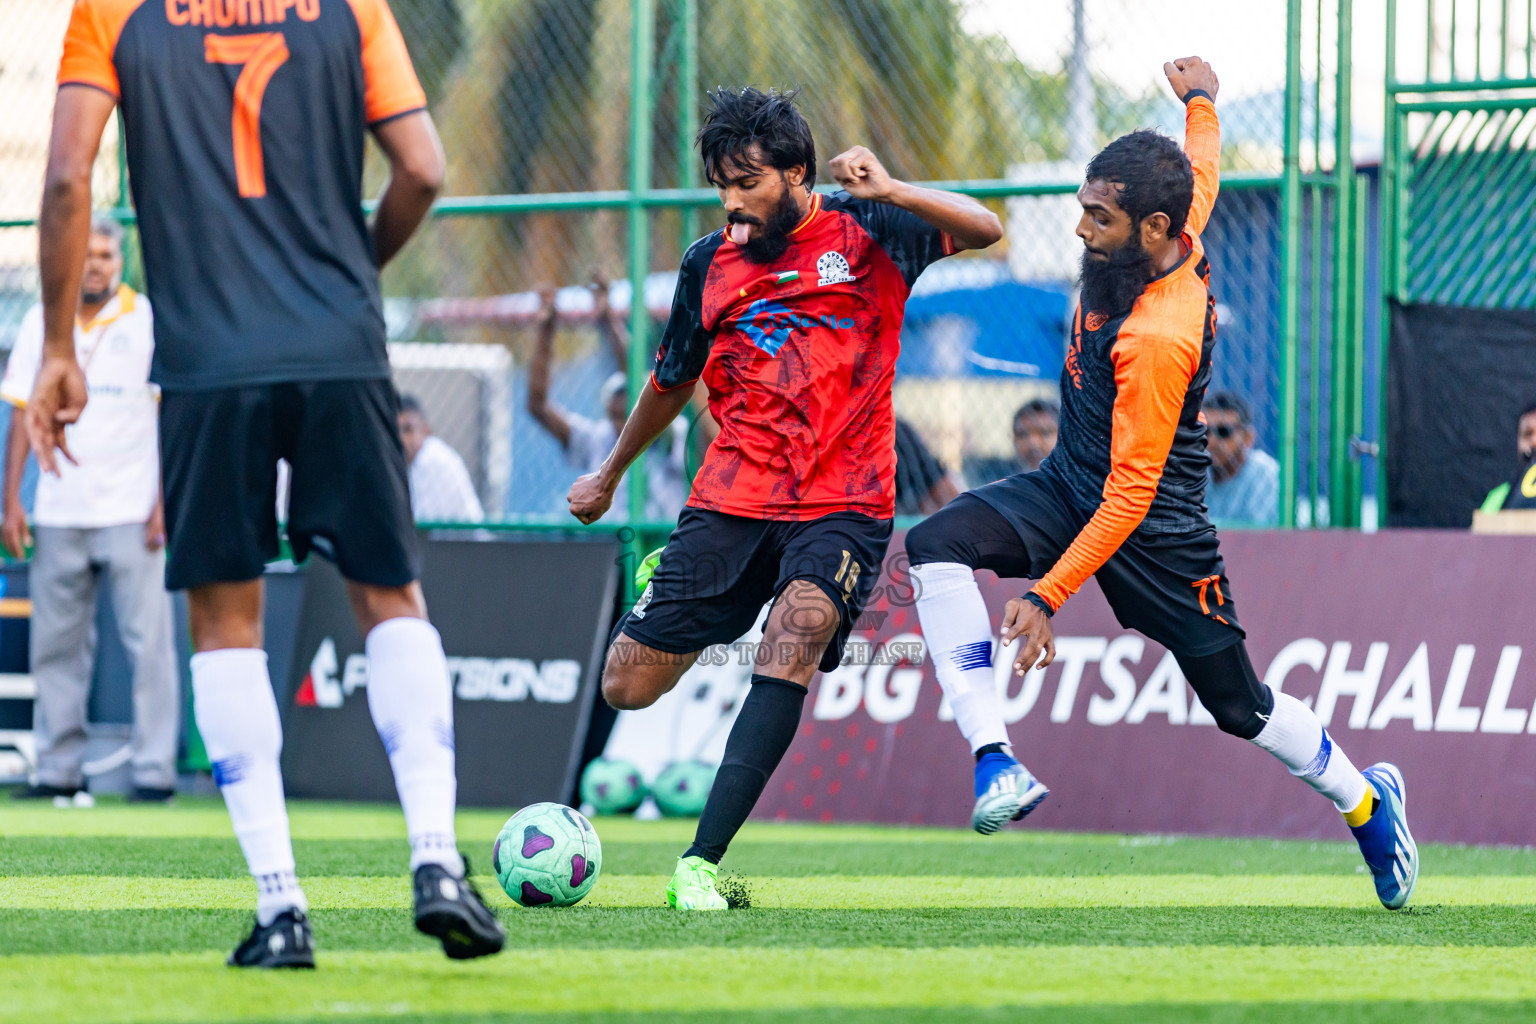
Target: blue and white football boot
[
  {"x": 1005, "y": 791},
  {"x": 1384, "y": 839}
]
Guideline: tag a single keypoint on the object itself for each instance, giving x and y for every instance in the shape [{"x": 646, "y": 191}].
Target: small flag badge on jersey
[{"x": 775, "y": 279}]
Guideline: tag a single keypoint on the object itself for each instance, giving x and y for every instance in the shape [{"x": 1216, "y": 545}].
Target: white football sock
[
  {"x": 959, "y": 634},
  {"x": 412, "y": 707},
  {"x": 1296, "y": 736},
  {"x": 237, "y": 716}
]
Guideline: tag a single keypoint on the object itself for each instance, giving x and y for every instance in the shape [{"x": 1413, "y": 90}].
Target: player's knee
[
  {"x": 626, "y": 687},
  {"x": 624, "y": 693},
  {"x": 1241, "y": 714},
  {"x": 937, "y": 539}
]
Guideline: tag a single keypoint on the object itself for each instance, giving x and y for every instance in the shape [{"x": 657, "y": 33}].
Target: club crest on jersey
[
  {"x": 1093, "y": 321},
  {"x": 832, "y": 268}
]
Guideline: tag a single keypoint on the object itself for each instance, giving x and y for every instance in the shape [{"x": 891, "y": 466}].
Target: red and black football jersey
[
  {"x": 245, "y": 123},
  {"x": 799, "y": 356}
]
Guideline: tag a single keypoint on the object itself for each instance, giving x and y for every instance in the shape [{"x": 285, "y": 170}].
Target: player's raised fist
[
  {"x": 590, "y": 497},
  {"x": 1189, "y": 73},
  {"x": 862, "y": 174}
]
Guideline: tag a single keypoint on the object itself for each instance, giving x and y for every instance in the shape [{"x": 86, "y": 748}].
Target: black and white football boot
[
  {"x": 450, "y": 909},
  {"x": 287, "y": 942}
]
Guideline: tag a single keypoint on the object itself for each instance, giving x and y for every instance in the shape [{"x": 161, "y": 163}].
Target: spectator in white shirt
[
  {"x": 442, "y": 490},
  {"x": 588, "y": 441},
  {"x": 100, "y": 521}
]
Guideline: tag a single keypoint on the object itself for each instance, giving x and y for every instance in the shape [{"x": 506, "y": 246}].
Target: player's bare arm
[
  {"x": 15, "y": 533},
  {"x": 416, "y": 169},
  {"x": 969, "y": 223},
  {"x": 592, "y": 495},
  {"x": 64, "y": 225},
  {"x": 1188, "y": 74},
  {"x": 549, "y": 415}
]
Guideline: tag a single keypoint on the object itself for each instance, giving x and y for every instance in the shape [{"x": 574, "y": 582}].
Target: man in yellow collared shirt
[{"x": 98, "y": 522}]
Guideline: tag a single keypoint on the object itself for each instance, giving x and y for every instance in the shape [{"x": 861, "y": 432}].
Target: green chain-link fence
[{"x": 568, "y": 125}]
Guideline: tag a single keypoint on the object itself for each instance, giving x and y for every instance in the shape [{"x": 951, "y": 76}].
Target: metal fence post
[
  {"x": 1341, "y": 389},
  {"x": 1387, "y": 263},
  {"x": 688, "y": 113},
  {"x": 643, "y": 45},
  {"x": 1290, "y": 236}
]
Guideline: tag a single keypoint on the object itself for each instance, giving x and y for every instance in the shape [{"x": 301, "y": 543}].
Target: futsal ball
[
  {"x": 682, "y": 787},
  {"x": 612, "y": 787},
  {"x": 547, "y": 855}
]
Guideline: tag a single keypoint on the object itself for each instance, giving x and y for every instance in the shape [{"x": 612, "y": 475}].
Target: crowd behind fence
[{"x": 568, "y": 125}]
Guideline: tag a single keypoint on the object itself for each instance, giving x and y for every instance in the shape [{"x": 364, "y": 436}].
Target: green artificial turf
[{"x": 125, "y": 914}]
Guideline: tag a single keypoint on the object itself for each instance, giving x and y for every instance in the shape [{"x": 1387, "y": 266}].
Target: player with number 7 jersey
[{"x": 245, "y": 123}]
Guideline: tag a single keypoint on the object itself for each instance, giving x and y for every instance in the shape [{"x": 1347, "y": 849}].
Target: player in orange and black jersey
[
  {"x": 791, "y": 316},
  {"x": 245, "y": 122},
  {"x": 1121, "y": 498}
]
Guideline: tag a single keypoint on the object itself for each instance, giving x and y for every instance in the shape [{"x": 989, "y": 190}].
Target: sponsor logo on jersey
[{"x": 832, "y": 268}]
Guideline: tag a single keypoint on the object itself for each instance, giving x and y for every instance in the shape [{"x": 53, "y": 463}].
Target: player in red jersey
[{"x": 791, "y": 315}]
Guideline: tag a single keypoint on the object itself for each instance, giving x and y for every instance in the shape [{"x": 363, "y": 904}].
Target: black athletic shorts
[
  {"x": 349, "y": 494},
  {"x": 717, "y": 571},
  {"x": 1170, "y": 586}
]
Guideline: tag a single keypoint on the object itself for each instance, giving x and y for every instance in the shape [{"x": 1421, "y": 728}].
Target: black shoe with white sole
[
  {"x": 450, "y": 909},
  {"x": 286, "y": 942}
]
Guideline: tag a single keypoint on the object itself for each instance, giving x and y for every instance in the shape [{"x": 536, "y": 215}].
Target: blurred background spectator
[
  {"x": 441, "y": 488},
  {"x": 1035, "y": 424},
  {"x": 1245, "y": 481},
  {"x": 1511, "y": 493},
  {"x": 588, "y": 441},
  {"x": 99, "y": 521}
]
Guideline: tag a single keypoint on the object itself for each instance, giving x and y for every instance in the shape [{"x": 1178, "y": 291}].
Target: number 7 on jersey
[{"x": 262, "y": 53}]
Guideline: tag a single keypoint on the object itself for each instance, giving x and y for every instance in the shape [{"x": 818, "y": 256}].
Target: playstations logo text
[{"x": 556, "y": 681}]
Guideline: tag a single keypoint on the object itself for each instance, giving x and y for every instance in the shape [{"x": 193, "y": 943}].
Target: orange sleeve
[
  {"x": 94, "y": 26},
  {"x": 1153, "y": 368},
  {"x": 1202, "y": 144},
  {"x": 390, "y": 84}
]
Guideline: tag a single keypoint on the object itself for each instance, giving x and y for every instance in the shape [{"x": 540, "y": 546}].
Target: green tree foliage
[{"x": 533, "y": 96}]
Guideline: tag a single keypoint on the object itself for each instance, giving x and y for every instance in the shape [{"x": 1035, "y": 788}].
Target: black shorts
[
  {"x": 718, "y": 571},
  {"x": 1171, "y": 587},
  {"x": 349, "y": 494}
]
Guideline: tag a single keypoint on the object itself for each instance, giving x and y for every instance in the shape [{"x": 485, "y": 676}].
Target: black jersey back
[{"x": 245, "y": 124}]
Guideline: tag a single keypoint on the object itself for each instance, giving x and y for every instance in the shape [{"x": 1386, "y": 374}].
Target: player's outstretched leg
[
  {"x": 802, "y": 624},
  {"x": 1372, "y": 802},
  {"x": 237, "y": 717},
  {"x": 411, "y": 702},
  {"x": 763, "y": 731},
  {"x": 958, "y": 629}
]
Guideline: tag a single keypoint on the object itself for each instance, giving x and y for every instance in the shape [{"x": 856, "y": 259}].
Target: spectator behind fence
[
  {"x": 1035, "y": 424},
  {"x": 442, "y": 490},
  {"x": 923, "y": 485},
  {"x": 586, "y": 441},
  {"x": 1517, "y": 493},
  {"x": 99, "y": 521},
  {"x": 1244, "y": 486}
]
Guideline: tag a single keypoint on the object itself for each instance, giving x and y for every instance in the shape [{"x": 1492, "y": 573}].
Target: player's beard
[
  {"x": 95, "y": 298},
  {"x": 773, "y": 240},
  {"x": 1112, "y": 286}
]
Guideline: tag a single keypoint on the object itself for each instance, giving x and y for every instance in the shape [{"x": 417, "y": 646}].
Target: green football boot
[{"x": 693, "y": 885}]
